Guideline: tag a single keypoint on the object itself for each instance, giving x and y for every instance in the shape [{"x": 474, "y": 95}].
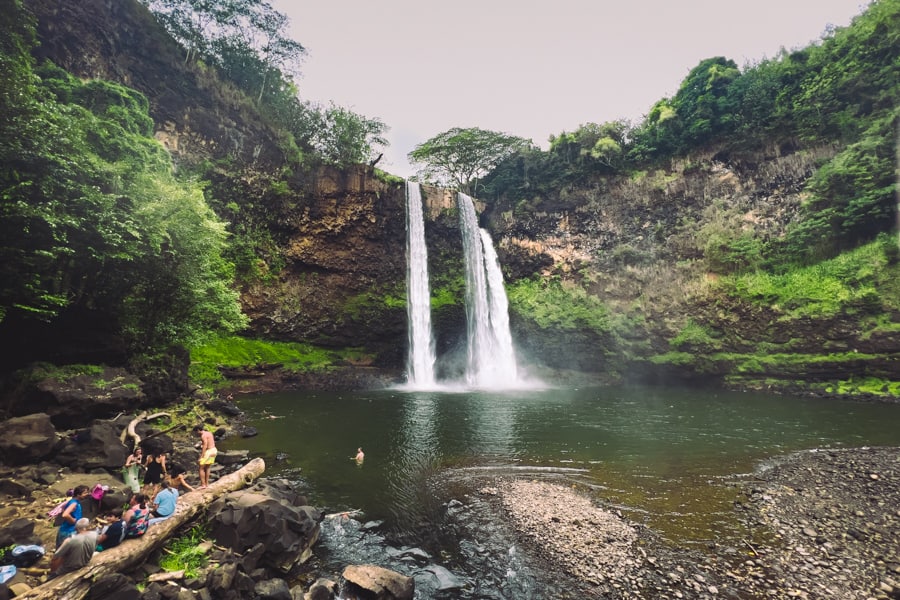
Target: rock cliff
[{"x": 633, "y": 243}]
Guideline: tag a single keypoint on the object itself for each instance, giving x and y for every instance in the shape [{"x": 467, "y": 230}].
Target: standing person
[
  {"x": 71, "y": 514},
  {"x": 360, "y": 456},
  {"x": 164, "y": 503},
  {"x": 156, "y": 469},
  {"x": 133, "y": 464},
  {"x": 207, "y": 453},
  {"x": 75, "y": 551}
]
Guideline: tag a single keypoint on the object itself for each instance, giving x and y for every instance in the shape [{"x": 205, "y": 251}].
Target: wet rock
[
  {"x": 322, "y": 589},
  {"x": 383, "y": 584},
  {"x": 232, "y": 457},
  {"x": 439, "y": 578}
]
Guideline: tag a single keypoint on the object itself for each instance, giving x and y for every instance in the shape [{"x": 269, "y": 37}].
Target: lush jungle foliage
[
  {"x": 91, "y": 214},
  {"x": 247, "y": 43},
  {"x": 842, "y": 90}
]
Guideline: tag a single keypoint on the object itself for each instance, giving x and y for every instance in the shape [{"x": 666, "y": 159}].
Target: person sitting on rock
[
  {"x": 76, "y": 551},
  {"x": 164, "y": 503},
  {"x": 177, "y": 478}
]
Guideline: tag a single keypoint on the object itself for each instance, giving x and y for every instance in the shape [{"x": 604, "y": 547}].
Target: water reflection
[{"x": 659, "y": 454}]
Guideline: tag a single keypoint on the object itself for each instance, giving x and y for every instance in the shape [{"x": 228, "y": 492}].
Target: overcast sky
[{"x": 531, "y": 69}]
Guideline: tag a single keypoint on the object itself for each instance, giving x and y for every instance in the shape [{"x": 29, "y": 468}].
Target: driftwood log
[
  {"x": 130, "y": 553},
  {"x": 130, "y": 430}
]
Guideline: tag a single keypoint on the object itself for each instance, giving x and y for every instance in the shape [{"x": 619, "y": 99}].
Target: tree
[
  {"x": 92, "y": 217},
  {"x": 337, "y": 135},
  {"x": 463, "y": 156}
]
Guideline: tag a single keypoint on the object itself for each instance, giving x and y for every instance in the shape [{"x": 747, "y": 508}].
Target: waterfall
[
  {"x": 491, "y": 360},
  {"x": 420, "y": 362}
]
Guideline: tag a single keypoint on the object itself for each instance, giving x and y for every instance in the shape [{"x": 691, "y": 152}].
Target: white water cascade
[
  {"x": 491, "y": 359},
  {"x": 420, "y": 362}
]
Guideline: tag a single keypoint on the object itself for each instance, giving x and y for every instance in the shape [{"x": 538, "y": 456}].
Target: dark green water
[{"x": 665, "y": 457}]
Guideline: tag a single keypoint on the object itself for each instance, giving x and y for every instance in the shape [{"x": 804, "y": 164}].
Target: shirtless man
[{"x": 207, "y": 453}]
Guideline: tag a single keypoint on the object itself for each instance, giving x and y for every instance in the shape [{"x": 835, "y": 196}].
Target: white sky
[{"x": 527, "y": 68}]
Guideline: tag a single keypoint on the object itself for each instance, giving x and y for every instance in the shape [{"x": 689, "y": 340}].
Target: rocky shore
[
  {"x": 822, "y": 524},
  {"x": 826, "y": 526}
]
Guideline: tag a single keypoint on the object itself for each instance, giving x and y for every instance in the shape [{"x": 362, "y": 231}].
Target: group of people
[{"x": 76, "y": 541}]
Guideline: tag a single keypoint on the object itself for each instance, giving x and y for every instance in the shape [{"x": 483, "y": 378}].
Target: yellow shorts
[{"x": 209, "y": 457}]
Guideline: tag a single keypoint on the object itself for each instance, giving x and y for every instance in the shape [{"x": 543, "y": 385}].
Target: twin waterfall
[
  {"x": 491, "y": 360},
  {"x": 420, "y": 364}
]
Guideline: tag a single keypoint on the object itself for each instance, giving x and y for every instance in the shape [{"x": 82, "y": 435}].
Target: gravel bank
[{"x": 824, "y": 525}]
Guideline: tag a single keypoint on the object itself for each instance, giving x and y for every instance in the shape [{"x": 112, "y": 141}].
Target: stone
[
  {"x": 16, "y": 532},
  {"x": 272, "y": 589},
  {"x": 442, "y": 579},
  {"x": 114, "y": 587},
  {"x": 27, "y": 439},
  {"x": 322, "y": 589},
  {"x": 266, "y": 514},
  {"x": 97, "y": 447},
  {"x": 383, "y": 583}
]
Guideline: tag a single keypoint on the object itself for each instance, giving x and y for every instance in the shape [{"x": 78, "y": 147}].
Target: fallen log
[
  {"x": 130, "y": 430},
  {"x": 130, "y": 553}
]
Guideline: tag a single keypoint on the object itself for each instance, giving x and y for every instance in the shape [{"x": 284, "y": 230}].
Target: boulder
[
  {"x": 272, "y": 589},
  {"x": 382, "y": 583},
  {"x": 97, "y": 447},
  {"x": 19, "y": 531},
  {"x": 322, "y": 589},
  {"x": 269, "y": 514},
  {"x": 27, "y": 439},
  {"x": 114, "y": 586}
]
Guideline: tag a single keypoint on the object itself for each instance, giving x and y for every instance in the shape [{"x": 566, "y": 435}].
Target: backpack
[
  {"x": 25, "y": 556},
  {"x": 56, "y": 513},
  {"x": 137, "y": 525}
]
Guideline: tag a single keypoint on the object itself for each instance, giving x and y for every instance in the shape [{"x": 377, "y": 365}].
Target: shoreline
[
  {"x": 825, "y": 525},
  {"x": 827, "y": 521}
]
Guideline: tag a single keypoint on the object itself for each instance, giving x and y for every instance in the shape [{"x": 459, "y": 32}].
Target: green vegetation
[
  {"x": 840, "y": 91},
  {"x": 856, "y": 282},
  {"x": 186, "y": 553},
  {"x": 556, "y": 305},
  {"x": 462, "y": 156},
  {"x": 694, "y": 335},
  {"x": 92, "y": 217},
  {"x": 237, "y": 352}
]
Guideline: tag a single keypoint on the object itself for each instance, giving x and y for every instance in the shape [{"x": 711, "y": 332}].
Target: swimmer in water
[{"x": 360, "y": 456}]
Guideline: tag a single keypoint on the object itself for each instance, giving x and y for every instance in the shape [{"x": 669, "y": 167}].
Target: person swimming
[{"x": 360, "y": 456}]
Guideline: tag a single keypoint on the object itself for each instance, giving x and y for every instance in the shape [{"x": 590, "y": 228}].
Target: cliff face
[
  {"x": 197, "y": 117},
  {"x": 641, "y": 245},
  {"x": 634, "y": 243}
]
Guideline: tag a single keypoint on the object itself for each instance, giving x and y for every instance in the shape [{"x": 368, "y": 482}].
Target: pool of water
[{"x": 663, "y": 456}]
